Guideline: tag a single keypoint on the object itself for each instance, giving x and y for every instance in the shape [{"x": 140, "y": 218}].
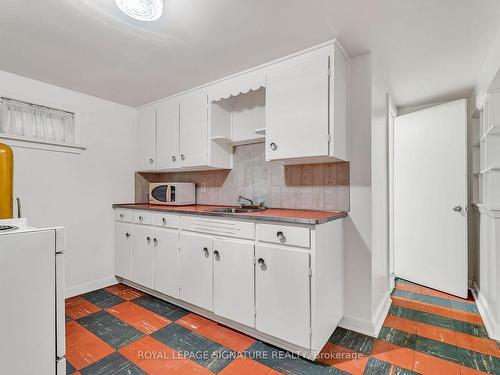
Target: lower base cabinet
[
  {"x": 196, "y": 270},
  {"x": 283, "y": 294},
  {"x": 143, "y": 269},
  {"x": 123, "y": 250},
  {"x": 233, "y": 280},
  {"x": 166, "y": 262}
]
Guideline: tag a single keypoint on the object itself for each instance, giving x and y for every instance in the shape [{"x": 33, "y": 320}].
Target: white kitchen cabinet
[
  {"x": 166, "y": 261},
  {"x": 196, "y": 269},
  {"x": 167, "y": 140},
  {"x": 123, "y": 249},
  {"x": 143, "y": 256},
  {"x": 283, "y": 293},
  {"x": 194, "y": 129},
  {"x": 306, "y": 107},
  {"x": 233, "y": 273},
  {"x": 146, "y": 138}
]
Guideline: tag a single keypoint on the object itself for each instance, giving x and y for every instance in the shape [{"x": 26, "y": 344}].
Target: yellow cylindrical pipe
[{"x": 6, "y": 181}]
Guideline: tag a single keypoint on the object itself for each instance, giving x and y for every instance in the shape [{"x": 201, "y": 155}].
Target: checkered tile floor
[{"x": 119, "y": 330}]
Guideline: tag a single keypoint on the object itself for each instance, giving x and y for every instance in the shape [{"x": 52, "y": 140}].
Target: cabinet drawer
[
  {"x": 219, "y": 227},
  {"x": 141, "y": 217},
  {"x": 125, "y": 216},
  {"x": 166, "y": 220},
  {"x": 284, "y": 235}
]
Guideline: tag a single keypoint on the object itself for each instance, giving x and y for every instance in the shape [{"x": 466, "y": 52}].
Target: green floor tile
[
  {"x": 352, "y": 340},
  {"x": 437, "y": 349},
  {"x": 397, "y": 337}
]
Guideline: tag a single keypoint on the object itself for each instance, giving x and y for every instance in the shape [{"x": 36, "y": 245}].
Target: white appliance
[
  {"x": 32, "y": 305},
  {"x": 172, "y": 193}
]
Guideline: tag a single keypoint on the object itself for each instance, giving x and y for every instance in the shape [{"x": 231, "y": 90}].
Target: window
[{"x": 36, "y": 121}]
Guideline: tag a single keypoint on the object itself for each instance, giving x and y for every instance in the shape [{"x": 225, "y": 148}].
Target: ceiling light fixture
[{"x": 142, "y": 10}]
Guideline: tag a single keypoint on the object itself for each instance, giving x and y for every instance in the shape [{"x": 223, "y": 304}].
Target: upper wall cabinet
[
  {"x": 297, "y": 105},
  {"x": 306, "y": 107}
]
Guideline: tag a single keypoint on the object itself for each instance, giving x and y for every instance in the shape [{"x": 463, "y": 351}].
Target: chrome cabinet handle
[
  {"x": 273, "y": 146},
  {"x": 122, "y": 215},
  {"x": 163, "y": 220},
  {"x": 140, "y": 218},
  {"x": 151, "y": 161},
  {"x": 174, "y": 158},
  {"x": 216, "y": 255},
  {"x": 262, "y": 264},
  {"x": 281, "y": 236},
  {"x": 127, "y": 235},
  {"x": 457, "y": 208},
  {"x": 155, "y": 241},
  {"x": 183, "y": 157},
  {"x": 205, "y": 252},
  {"x": 148, "y": 239}
]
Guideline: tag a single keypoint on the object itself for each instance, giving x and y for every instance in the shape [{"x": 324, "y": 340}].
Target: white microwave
[{"x": 172, "y": 193}]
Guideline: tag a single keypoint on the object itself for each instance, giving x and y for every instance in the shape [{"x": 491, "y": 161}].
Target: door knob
[
  {"x": 148, "y": 239},
  {"x": 164, "y": 221},
  {"x": 155, "y": 241},
  {"x": 127, "y": 235},
  {"x": 174, "y": 158},
  {"x": 151, "y": 161},
  {"x": 281, "y": 237},
  {"x": 457, "y": 208},
  {"x": 183, "y": 157},
  {"x": 273, "y": 146},
  {"x": 205, "y": 251},
  {"x": 216, "y": 255},
  {"x": 262, "y": 264}
]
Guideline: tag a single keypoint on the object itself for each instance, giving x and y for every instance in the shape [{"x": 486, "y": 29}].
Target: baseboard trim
[
  {"x": 368, "y": 327},
  {"x": 90, "y": 286},
  {"x": 492, "y": 327}
]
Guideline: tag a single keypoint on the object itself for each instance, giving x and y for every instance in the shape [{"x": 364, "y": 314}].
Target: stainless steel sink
[{"x": 238, "y": 210}]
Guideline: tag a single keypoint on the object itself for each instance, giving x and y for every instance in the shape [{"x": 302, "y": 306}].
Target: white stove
[{"x": 32, "y": 290}]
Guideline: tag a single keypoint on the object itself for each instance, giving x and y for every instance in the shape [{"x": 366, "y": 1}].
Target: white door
[
  {"x": 283, "y": 293},
  {"x": 146, "y": 136},
  {"x": 297, "y": 107},
  {"x": 194, "y": 129},
  {"x": 196, "y": 270},
  {"x": 233, "y": 296},
  {"x": 430, "y": 197},
  {"x": 167, "y": 123},
  {"x": 166, "y": 261},
  {"x": 144, "y": 255},
  {"x": 28, "y": 308},
  {"x": 123, "y": 250}
]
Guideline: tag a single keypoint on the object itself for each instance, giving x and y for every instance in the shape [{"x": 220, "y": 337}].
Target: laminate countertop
[{"x": 311, "y": 217}]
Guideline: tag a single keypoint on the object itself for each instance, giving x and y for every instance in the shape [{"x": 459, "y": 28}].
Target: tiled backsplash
[{"x": 309, "y": 186}]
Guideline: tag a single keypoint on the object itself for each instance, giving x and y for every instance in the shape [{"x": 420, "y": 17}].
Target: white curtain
[{"x": 34, "y": 121}]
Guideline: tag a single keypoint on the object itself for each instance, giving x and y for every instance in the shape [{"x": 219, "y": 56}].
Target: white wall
[
  {"x": 366, "y": 230},
  {"x": 77, "y": 191}
]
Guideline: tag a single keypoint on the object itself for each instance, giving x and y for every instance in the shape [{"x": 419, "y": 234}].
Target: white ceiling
[{"x": 429, "y": 49}]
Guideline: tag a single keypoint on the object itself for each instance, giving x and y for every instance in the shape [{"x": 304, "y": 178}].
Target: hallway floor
[{"x": 119, "y": 330}]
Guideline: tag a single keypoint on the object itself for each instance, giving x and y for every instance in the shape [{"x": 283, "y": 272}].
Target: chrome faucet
[{"x": 242, "y": 199}]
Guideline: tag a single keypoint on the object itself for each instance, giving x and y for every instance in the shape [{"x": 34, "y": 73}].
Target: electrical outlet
[{"x": 203, "y": 187}]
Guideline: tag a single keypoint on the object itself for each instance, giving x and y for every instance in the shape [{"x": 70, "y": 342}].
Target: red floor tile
[
  {"x": 409, "y": 287},
  {"x": 223, "y": 335},
  {"x": 78, "y": 307},
  {"x": 478, "y": 344},
  {"x": 144, "y": 320},
  {"x": 396, "y": 322},
  {"x": 407, "y": 303},
  {"x": 83, "y": 347},
  {"x": 157, "y": 359},
  {"x": 247, "y": 366},
  {"x": 436, "y": 333},
  {"x": 393, "y": 354},
  {"x": 428, "y": 365},
  {"x": 467, "y": 317},
  {"x": 436, "y": 310},
  {"x": 343, "y": 359},
  {"x": 124, "y": 291}
]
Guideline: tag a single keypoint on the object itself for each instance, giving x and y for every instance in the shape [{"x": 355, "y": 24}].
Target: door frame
[{"x": 392, "y": 111}]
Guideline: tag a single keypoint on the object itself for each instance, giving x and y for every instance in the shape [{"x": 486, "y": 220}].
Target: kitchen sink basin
[{"x": 238, "y": 210}]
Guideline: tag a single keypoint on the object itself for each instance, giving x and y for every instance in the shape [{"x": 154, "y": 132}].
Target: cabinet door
[
  {"x": 123, "y": 250},
  {"x": 143, "y": 259},
  {"x": 297, "y": 107},
  {"x": 283, "y": 294},
  {"x": 166, "y": 261},
  {"x": 146, "y": 135},
  {"x": 167, "y": 123},
  {"x": 194, "y": 129},
  {"x": 196, "y": 270},
  {"x": 234, "y": 280}
]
